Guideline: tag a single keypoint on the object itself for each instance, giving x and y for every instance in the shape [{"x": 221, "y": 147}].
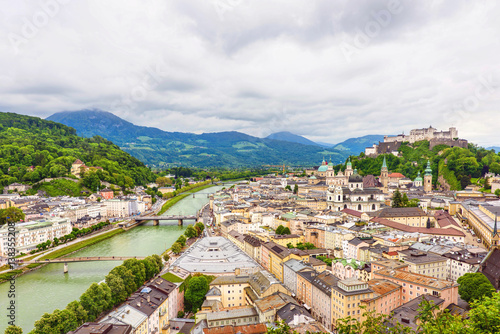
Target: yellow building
[
  {"x": 483, "y": 220},
  {"x": 235, "y": 290},
  {"x": 347, "y": 298},
  {"x": 286, "y": 239},
  {"x": 279, "y": 254}
]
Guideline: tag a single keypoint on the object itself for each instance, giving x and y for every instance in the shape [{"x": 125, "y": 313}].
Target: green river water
[{"x": 47, "y": 289}]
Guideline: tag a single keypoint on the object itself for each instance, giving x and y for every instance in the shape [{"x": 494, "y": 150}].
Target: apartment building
[
  {"x": 415, "y": 285},
  {"x": 386, "y": 296},
  {"x": 347, "y": 298},
  {"x": 30, "y": 234},
  {"x": 425, "y": 263}
]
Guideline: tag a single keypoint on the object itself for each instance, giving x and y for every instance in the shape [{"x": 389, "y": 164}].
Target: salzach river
[{"x": 47, "y": 289}]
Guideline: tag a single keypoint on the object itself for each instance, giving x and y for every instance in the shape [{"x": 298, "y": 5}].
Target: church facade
[{"x": 352, "y": 195}]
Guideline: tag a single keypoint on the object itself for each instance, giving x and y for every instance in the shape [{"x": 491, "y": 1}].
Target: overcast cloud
[{"x": 328, "y": 70}]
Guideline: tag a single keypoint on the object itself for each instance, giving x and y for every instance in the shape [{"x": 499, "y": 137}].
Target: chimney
[{"x": 149, "y": 298}]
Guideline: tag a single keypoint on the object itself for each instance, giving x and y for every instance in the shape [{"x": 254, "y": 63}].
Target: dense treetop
[{"x": 32, "y": 149}]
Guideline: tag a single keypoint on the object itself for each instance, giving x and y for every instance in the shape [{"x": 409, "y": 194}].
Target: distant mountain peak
[
  {"x": 229, "y": 148},
  {"x": 291, "y": 137}
]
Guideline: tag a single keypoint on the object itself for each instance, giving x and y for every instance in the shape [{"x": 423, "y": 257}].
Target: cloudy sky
[{"x": 328, "y": 70}]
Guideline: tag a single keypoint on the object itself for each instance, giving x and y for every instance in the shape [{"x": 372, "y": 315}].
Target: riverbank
[
  {"x": 56, "y": 253},
  {"x": 168, "y": 204},
  {"x": 47, "y": 288}
]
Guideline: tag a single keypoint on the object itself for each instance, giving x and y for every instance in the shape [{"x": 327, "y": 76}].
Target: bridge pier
[
  {"x": 65, "y": 267},
  {"x": 180, "y": 222},
  {"x": 156, "y": 222}
]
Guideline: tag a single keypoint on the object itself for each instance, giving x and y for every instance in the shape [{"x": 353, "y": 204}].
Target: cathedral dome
[
  {"x": 355, "y": 177},
  {"x": 323, "y": 168}
]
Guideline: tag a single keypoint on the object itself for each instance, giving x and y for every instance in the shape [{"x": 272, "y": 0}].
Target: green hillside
[
  {"x": 457, "y": 165},
  {"x": 32, "y": 149},
  {"x": 221, "y": 149}
]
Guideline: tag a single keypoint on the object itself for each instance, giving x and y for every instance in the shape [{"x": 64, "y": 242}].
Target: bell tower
[
  {"x": 384, "y": 176},
  {"x": 428, "y": 178}
]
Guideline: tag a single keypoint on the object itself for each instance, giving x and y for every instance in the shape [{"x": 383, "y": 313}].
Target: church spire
[
  {"x": 384, "y": 164},
  {"x": 495, "y": 229},
  {"x": 428, "y": 170}
]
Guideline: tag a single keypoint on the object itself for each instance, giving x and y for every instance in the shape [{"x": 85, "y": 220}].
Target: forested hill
[
  {"x": 32, "y": 149},
  {"x": 458, "y": 166},
  {"x": 220, "y": 149}
]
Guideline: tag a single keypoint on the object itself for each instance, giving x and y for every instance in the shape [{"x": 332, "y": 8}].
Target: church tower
[
  {"x": 495, "y": 240},
  {"x": 384, "y": 176},
  {"x": 418, "y": 182},
  {"x": 348, "y": 170},
  {"x": 428, "y": 178}
]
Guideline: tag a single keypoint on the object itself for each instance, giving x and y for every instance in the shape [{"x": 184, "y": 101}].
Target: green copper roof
[
  {"x": 428, "y": 170},
  {"x": 349, "y": 164},
  {"x": 323, "y": 168},
  {"x": 418, "y": 178},
  {"x": 384, "y": 164}
]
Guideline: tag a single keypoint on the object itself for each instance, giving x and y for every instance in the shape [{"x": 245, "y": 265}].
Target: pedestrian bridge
[
  {"x": 156, "y": 219},
  {"x": 82, "y": 259}
]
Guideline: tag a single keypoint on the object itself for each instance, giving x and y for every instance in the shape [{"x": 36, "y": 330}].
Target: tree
[
  {"x": 13, "y": 330},
  {"x": 200, "y": 226},
  {"x": 138, "y": 271},
  {"x": 77, "y": 309},
  {"x": 295, "y": 189},
  {"x": 166, "y": 257},
  {"x": 397, "y": 201},
  {"x": 117, "y": 286},
  {"x": 127, "y": 277},
  {"x": 405, "y": 201},
  {"x": 474, "y": 286},
  {"x": 11, "y": 214},
  {"x": 182, "y": 240},
  {"x": 190, "y": 232},
  {"x": 96, "y": 300},
  {"x": 372, "y": 323},
  {"x": 487, "y": 184},
  {"x": 484, "y": 315},
  {"x": 288, "y": 187},
  {"x": 176, "y": 248},
  {"x": 162, "y": 181},
  {"x": 432, "y": 320},
  {"x": 497, "y": 192},
  {"x": 280, "y": 229},
  {"x": 196, "y": 291},
  {"x": 58, "y": 322},
  {"x": 286, "y": 230}
]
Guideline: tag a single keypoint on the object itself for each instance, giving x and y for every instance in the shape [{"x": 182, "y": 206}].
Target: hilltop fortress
[{"x": 391, "y": 144}]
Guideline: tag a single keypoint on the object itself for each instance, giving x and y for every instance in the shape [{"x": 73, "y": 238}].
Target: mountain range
[
  {"x": 350, "y": 146},
  {"x": 162, "y": 148}
]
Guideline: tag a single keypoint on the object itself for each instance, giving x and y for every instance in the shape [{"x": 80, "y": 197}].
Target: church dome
[
  {"x": 355, "y": 177},
  {"x": 323, "y": 168}
]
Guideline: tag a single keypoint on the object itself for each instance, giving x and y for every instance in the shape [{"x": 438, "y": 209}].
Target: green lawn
[
  {"x": 178, "y": 197},
  {"x": 81, "y": 244},
  {"x": 172, "y": 278}
]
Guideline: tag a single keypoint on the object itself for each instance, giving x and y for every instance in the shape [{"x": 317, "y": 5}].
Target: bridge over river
[
  {"x": 82, "y": 259},
  {"x": 156, "y": 219}
]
